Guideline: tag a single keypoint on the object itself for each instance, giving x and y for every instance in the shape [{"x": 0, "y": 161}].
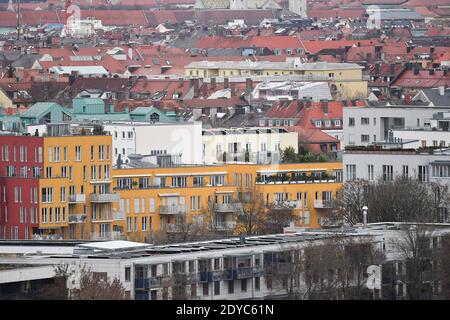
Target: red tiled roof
[
  {"x": 317, "y": 46},
  {"x": 212, "y": 103},
  {"x": 353, "y": 13},
  {"x": 422, "y": 80},
  {"x": 313, "y": 135}
]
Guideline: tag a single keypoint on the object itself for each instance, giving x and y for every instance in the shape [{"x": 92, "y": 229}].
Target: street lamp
[{"x": 364, "y": 209}]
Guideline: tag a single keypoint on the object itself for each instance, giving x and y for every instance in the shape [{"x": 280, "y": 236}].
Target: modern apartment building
[
  {"x": 155, "y": 199},
  {"x": 233, "y": 268},
  {"x": 56, "y": 186},
  {"x": 366, "y": 125}
]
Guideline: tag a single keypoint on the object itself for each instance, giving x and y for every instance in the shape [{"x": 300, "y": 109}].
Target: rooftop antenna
[{"x": 18, "y": 19}]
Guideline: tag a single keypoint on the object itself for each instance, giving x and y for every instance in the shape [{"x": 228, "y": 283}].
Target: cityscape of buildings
[{"x": 214, "y": 149}]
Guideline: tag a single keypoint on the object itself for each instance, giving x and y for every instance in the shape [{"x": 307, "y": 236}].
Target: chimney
[
  {"x": 249, "y": 84},
  {"x": 445, "y": 72},
  {"x": 233, "y": 90},
  {"x": 72, "y": 77},
  {"x": 213, "y": 83},
  {"x": 392, "y": 69},
  {"x": 377, "y": 68},
  {"x": 431, "y": 49},
  {"x": 308, "y": 102},
  {"x": 408, "y": 49},
  {"x": 325, "y": 106},
  {"x": 196, "y": 87},
  {"x": 130, "y": 53},
  {"x": 369, "y": 56},
  {"x": 431, "y": 72},
  {"x": 226, "y": 83},
  {"x": 442, "y": 91},
  {"x": 300, "y": 105},
  {"x": 204, "y": 90},
  {"x": 180, "y": 82},
  {"x": 416, "y": 71}
]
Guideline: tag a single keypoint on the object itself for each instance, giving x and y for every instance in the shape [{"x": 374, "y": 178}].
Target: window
[
  {"x": 231, "y": 286},
  {"x": 423, "y": 174},
  {"x": 65, "y": 154},
  {"x": 77, "y": 153},
  {"x": 205, "y": 288},
  {"x": 365, "y": 138},
  {"x": 388, "y": 173},
  {"x": 47, "y": 195},
  {"x": 193, "y": 202},
  {"x": 243, "y": 285},
  {"x": 63, "y": 194},
  {"x": 405, "y": 171},
  {"x": 351, "y": 122},
  {"x": 216, "y": 288},
  {"x": 351, "y": 172},
  {"x": 144, "y": 223},
  {"x": 318, "y": 124},
  {"x": 257, "y": 283},
  {"x": 127, "y": 274},
  {"x": 101, "y": 152},
  {"x": 365, "y": 121},
  {"x": 370, "y": 172},
  {"x": 57, "y": 158},
  {"x": 198, "y": 181}
]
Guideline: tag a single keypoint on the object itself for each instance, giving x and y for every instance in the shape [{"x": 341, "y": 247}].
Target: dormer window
[
  {"x": 327, "y": 123},
  {"x": 337, "y": 123},
  {"x": 318, "y": 124}
]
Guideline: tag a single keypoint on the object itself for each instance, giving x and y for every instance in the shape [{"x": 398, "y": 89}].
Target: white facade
[
  {"x": 371, "y": 165},
  {"x": 423, "y": 138},
  {"x": 289, "y": 90},
  {"x": 299, "y": 7},
  {"x": 235, "y": 142},
  {"x": 366, "y": 125},
  {"x": 159, "y": 138}
]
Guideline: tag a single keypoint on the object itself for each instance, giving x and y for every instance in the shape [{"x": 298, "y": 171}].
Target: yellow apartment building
[
  {"x": 345, "y": 79},
  {"x": 75, "y": 187},
  {"x": 153, "y": 199}
]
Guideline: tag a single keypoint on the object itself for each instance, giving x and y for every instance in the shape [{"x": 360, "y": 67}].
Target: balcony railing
[
  {"x": 224, "y": 207},
  {"x": 111, "y": 235},
  {"x": 105, "y": 197},
  {"x": 245, "y": 272},
  {"x": 322, "y": 204},
  {"x": 174, "y": 209},
  {"x": 225, "y": 226},
  {"x": 77, "y": 218},
  {"x": 77, "y": 198}
]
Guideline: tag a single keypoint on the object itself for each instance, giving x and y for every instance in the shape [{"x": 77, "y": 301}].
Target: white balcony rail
[
  {"x": 173, "y": 209},
  {"x": 77, "y": 198},
  {"x": 224, "y": 207},
  {"x": 322, "y": 204},
  {"x": 105, "y": 197},
  {"x": 77, "y": 218},
  {"x": 110, "y": 235}
]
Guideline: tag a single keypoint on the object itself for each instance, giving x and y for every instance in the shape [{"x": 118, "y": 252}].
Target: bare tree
[{"x": 84, "y": 285}]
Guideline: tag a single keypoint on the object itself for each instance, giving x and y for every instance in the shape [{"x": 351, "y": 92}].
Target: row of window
[
  {"x": 124, "y": 135},
  {"x": 387, "y": 172},
  {"x": 48, "y": 215},
  {"x": 97, "y": 172},
  {"x": 23, "y": 153}
]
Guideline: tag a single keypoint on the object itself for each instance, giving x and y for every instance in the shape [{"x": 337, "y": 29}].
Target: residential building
[
  {"x": 346, "y": 79},
  {"x": 246, "y": 145},
  {"x": 232, "y": 268}
]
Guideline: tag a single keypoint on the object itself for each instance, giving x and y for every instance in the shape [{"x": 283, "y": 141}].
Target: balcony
[
  {"x": 173, "y": 209},
  {"x": 77, "y": 198},
  {"x": 287, "y": 204},
  {"x": 119, "y": 215},
  {"x": 225, "y": 226},
  {"x": 77, "y": 218},
  {"x": 105, "y": 236},
  {"x": 224, "y": 207},
  {"x": 104, "y": 197},
  {"x": 243, "y": 273},
  {"x": 258, "y": 271},
  {"x": 204, "y": 276},
  {"x": 322, "y": 204},
  {"x": 215, "y": 275}
]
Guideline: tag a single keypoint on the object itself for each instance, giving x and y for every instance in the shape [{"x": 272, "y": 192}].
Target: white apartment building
[
  {"x": 230, "y": 268},
  {"x": 387, "y": 164},
  {"x": 253, "y": 145},
  {"x": 366, "y": 125},
  {"x": 290, "y": 90},
  {"x": 183, "y": 139}
]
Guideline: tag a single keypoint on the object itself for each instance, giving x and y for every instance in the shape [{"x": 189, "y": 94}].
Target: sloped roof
[{"x": 38, "y": 109}]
